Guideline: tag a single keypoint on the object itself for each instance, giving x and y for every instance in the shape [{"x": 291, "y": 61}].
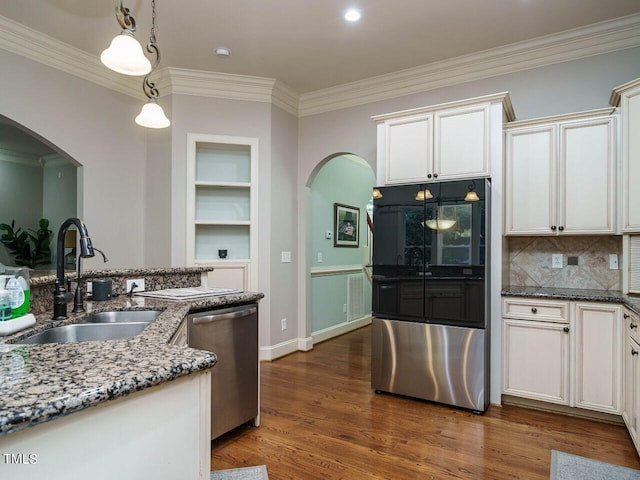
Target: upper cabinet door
[
  {"x": 449, "y": 141},
  {"x": 630, "y": 118},
  {"x": 561, "y": 175},
  {"x": 587, "y": 176},
  {"x": 409, "y": 147},
  {"x": 461, "y": 143},
  {"x": 530, "y": 179}
]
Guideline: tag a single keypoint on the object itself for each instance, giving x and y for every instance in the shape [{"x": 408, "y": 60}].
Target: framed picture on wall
[{"x": 345, "y": 225}]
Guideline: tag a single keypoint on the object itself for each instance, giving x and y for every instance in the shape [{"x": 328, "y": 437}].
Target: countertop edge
[
  {"x": 607, "y": 296},
  {"x": 35, "y": 398}
]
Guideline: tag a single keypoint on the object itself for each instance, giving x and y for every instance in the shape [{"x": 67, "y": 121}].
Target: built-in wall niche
[{"x": 222, "y": 208}]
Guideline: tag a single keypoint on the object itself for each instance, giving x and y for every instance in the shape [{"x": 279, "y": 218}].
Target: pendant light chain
[
  {"x": 153, "y": 21},
  {"x": 148, "y": 87}
]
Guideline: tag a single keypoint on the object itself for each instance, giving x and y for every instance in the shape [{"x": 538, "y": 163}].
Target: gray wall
[{"x": 94, "y": 126}]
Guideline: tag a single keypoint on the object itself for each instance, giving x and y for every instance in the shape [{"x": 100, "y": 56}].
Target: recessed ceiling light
[
  {"x": 222, "y": 51},
  {"x": 352, "y": 15}
]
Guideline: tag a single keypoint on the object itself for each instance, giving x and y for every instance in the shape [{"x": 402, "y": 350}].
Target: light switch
[{"x": 285, "y": 257}]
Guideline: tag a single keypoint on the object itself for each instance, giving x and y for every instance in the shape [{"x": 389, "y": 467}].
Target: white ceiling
[{"x": 305, "y": 43}]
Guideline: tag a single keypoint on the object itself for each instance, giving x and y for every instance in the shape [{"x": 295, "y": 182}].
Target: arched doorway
[
  {"x": 339, "y": 293},
  {"x": 37, "y": 180}
]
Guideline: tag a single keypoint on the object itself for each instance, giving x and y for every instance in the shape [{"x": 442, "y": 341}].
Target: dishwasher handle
[{"x": 224, "y": 316}]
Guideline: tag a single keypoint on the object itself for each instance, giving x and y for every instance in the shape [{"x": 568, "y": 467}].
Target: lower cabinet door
[
  {"x": 632, "y": 387},
  {"x": 536, "y": 360},
  {"x": 598, "y": 358}
]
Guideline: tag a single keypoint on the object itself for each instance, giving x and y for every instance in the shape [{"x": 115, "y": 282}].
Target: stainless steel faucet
[{"x": 86, "y": 251}]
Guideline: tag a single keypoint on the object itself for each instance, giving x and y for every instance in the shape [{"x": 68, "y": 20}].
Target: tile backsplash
[{"x": 529, "y": 262}]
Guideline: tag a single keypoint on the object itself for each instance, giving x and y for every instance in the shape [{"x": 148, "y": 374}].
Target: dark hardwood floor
[{"x": 321, "y": 420}]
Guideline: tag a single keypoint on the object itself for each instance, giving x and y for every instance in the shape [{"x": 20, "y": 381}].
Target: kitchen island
[{"x": 131, "y": 408}]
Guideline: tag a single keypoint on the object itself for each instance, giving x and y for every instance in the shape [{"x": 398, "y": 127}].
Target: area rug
[
  {"x": 565, "y": 466},
  {"x": 249, "y": 473}
]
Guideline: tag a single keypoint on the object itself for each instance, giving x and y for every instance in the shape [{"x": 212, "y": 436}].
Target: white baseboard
[
  {"x": 306, "y": 344},
  {"x": 340, "y": 329}
]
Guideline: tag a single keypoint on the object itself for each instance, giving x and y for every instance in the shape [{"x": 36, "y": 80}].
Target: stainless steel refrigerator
[{"x": 430, "y": 334}]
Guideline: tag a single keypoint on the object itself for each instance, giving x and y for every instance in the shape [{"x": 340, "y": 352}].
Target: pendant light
[
  {"x": 424, "y": 194},
  {"x": 376, "y": 193},
  {"x": 125, "y": 55},
  {"x": 471, "y": 195},
  {"x": 152, "y": 115},
  {"x": 439, "y": 224}
]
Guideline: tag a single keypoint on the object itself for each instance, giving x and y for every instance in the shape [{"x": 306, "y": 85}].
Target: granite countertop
[
  {"x": 39, "y": 383},
  {"x": 575, "y": 294}
]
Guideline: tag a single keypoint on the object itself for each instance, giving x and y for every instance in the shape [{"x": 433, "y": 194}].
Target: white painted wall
[{"x": 95, "y": 126}]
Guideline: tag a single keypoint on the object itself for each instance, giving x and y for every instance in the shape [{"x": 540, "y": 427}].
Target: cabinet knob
[
  {"x": 634, "y": 352},
  {"x": 435, "y": 175},
  {"x": 626, "y": 315},
  {"x": 633, "y": 326},
  {"x": 561, "y": 228},
  {"x": 566, "y": 329},
  {"x": 553, "y": 227},
  {"x": 534, "y": 310},
  {"x": 429, "y": 175}
]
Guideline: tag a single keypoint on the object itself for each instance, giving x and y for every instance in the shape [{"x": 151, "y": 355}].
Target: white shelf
[
  {"x": 231, "y": 223},
  {"x": 223, "y": 184},
  {"x": 222, "y": 203}
]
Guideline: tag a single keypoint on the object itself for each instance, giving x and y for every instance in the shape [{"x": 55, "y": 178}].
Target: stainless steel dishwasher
[{"x": 232, "y": 334}]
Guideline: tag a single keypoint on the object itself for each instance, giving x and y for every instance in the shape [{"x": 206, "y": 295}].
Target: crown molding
[
  {"x": 20, "y": 158},
  {"x": 573, "y": 44},
  {"x": 36, "y": 46},
  {"x": 567, "y": 117},
  {"x": 616, "y": 94},
  {"x": 232, "y": 87}
]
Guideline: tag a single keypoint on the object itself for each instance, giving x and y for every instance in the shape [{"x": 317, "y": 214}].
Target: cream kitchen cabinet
[
  {"x": 567, "y": 353},
  {"x": 535, "y": 338},
  {"x": 442, "y": 142},
  {"x": 597, "y": 365},
  {"x": 627, "y": 97},
  {"x": 631, "y": 361},
  {"x": 560, "y": 175}
]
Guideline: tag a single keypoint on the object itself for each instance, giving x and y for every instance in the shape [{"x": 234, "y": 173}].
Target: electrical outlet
[
  {"x": 613, "y": 261},
  {"x": 283, "y": 324},
  {"x": 139, "y": 285},
  {"x": 319, "y": 257},
  {"x": 556, "y": 260}
]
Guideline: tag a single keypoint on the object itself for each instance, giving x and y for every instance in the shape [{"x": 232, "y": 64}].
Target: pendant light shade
[
  {"x": 125, "y": 56},
  {"x": 440, "y": 224},
  {"x": 471, "y": 196},
  {"x": 424, "y": 194},
  {"x": 152, "y": 116},
  {"x": 376, "y": 193}
]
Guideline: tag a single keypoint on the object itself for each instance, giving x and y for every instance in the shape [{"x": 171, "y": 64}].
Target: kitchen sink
[
  {"x": 86, "y": 332},
  {"x": 125, "y": 316}
]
